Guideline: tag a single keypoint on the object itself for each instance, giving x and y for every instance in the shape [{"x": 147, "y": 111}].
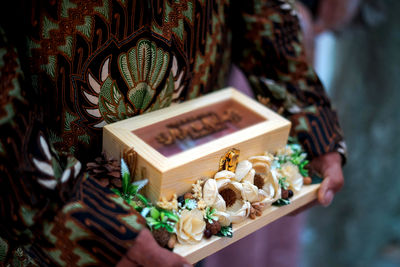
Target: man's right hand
[{"x": 146, "y": 252}]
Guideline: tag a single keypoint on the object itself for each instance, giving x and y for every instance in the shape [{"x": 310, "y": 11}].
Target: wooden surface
[
  {"x": 195, "y": 253},
  {"x": 175, "y": 174}
]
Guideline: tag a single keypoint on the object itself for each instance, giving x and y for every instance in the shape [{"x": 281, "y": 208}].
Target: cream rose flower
[
  {"x": 284, "y": 151},
  {"x": 190, "y": 227},
  {"x": 293, "y": 176}
]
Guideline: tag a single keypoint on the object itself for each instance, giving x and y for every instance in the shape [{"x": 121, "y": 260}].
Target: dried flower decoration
[
  {"x": 201, "y": 204},
  {"x": 197, "y": 189},
  {"x": 130, "y": 157},
  {"x": 190, "y": 227},
  {"x": 291, "y": 177},
  {"x": 190, "y": 204},
  {"x": 210, "y": 191},
  {"x": 171, "y": 204}
]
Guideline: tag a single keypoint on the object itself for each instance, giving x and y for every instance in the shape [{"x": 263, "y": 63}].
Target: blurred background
[{"x": 355, "y": 48}]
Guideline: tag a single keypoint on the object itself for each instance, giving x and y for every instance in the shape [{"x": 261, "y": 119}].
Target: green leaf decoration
[
  {"x": 163, "y": 217},
  {"x": 132, "y": 189},
  {"x": 226, "y": 231},
  {"x": 151, "y": 222},
  {"x": 143, "y": 199},
  {"x": 303, "y": 171},
  {"x": 170, "y": 228},
  {"x": 209, "y": 216},
  {"x": 171, "y": 216},
  {"x": 154, "y": 213},
  {"x": 283, "y": 183},
  {"x": 140, "y": 184},
  {"x": 125, "y": 183},
  {"x": 281, "y": 202}
]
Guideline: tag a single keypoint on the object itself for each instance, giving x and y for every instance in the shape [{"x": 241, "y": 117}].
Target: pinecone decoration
[
  {"x": 212, "y": 229},
  {"x": 256, "y": 210},
  {"x": 106, "y": 171},
  {"x": 162, "y": 236}
]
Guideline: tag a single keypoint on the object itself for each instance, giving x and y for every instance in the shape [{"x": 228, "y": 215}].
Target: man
[{"x": 74, "y": 66}]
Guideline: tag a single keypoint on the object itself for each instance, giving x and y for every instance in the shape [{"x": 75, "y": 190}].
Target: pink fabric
[
  {"x": 237, "y": 80},
  {"x": 277, "y": 244}
]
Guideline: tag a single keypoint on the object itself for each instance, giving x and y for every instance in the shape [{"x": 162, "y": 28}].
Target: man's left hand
[{"x": 330, "y": 167}]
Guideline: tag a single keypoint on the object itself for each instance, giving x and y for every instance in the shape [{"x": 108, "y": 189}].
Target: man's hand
[
  {"x": 330, "y": 167},
  {"x": 146, "y": 252}
]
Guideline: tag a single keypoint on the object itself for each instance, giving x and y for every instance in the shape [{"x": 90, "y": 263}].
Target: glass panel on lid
[{"x": 197, "y": 127}]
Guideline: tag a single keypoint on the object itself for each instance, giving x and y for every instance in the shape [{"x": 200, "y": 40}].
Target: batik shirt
[{"x": 86, "y": 64}]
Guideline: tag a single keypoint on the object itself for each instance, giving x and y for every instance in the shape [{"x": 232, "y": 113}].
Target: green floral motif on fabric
[
  {"x": 3, "y": 250},
  {"x": 143, "y": 68},
  {"x": 111, "y": 102}
]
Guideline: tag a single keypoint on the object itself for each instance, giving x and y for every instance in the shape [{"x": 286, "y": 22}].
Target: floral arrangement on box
[{"x": 239, "y": 190}]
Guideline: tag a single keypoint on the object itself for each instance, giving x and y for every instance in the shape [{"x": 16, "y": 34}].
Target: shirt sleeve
[
  {"x": 268, "y": 48},
  {"x": 61, "y": 215}
]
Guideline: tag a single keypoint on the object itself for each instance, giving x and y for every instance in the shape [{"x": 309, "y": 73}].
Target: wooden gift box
[{"x": 180, "y": 144}]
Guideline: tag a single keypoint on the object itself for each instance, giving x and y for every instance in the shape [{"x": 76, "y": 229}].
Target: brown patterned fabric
[{"x": 84, "y": 64}]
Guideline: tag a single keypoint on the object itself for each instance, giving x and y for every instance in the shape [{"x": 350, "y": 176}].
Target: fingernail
[{"x": 328, "y": 197}]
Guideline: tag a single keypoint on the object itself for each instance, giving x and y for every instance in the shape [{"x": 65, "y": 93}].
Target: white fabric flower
[
  {"x": 219, "y": 204},
  {"x": 239, "y": 211},
  {"x": 242, "y": 170},
  {"x": 210, "y": 191},
  {"x": 190, "y": 227},
  {"x": 223, "y": 218},
  {"x": 249, "y": 192},
  {"x": 224, "y": 175},
  {"x": 293, "y": 176},
  {"x": 236, "y": 207},
  {"x": 249, "y": 176}
]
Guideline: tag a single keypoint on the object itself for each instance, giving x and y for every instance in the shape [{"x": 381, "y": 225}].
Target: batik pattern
[
  {"x": 61, "y": 216},
  {"x": 268, "y": 49},
  {"x": 96, "y": 62}
]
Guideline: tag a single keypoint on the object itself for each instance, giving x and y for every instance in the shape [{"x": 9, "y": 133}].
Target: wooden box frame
[
  {"x": 175, "y": 174},
  {"x": 207, "y": 247}
]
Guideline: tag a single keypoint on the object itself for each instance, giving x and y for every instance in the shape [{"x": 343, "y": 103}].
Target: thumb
[{"x": 325, "y": 193}]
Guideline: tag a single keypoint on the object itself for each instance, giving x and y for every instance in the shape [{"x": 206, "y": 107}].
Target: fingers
[
  {"x": 330, "y": 167},
  {"x": 325, "y": 193},
  {"x": 146, "y": 252},
  {"x": 332, "y": 183}
]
